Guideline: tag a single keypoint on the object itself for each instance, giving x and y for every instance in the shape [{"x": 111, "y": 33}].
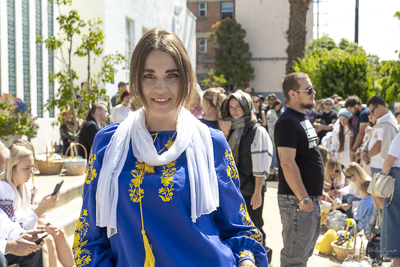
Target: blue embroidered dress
[{"x": 223, "y": 238}]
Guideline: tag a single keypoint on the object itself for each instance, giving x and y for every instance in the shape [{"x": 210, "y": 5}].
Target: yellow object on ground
[{"x": 325, "y": 246}]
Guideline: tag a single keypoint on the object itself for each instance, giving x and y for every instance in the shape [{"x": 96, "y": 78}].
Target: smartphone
[
  {"x": 57, "y": 188},
  {"x": 38, "y": 241}
]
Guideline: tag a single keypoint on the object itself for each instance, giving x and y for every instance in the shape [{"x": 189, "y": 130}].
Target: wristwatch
[
  {"x": 304, "y": 201},
  {"x": 353, "y": 150}
]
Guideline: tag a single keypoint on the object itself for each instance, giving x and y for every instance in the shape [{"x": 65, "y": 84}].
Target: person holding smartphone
[
  {"x": 16, "y": 191},
  {"x": 161, "y": 187}
]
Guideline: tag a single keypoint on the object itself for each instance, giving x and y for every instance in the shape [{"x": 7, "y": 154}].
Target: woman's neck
[
  {"x": 211, "y": 114},
  {"x": 160, "y": 124}
]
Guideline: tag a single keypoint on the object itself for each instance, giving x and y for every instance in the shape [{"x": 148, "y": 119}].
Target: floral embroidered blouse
[{"x": 222, "y": 238}]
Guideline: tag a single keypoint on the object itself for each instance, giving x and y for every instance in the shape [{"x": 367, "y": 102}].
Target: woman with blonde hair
[
  {"x": 16, "y": 190},
  {"x": 334, "y": 177},
  {"x": 212, "y": 100},
  {"x": 351, "y": 192}
]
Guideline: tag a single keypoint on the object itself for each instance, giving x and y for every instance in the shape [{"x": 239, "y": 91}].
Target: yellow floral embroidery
[
  {"x": 245, "y": 215},
  {"x": 245, "y": 252},
  {"x": 82, "y": 256},
  {"x": 231, "y": 170},
  {"x": 256, "y": 235},
  {"x": 165, "y": 192},
  {"x": 90, "y": 171},
  {"x": 137, "y": 193}
]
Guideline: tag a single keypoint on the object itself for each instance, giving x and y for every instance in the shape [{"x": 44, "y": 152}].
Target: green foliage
[
  {"x": 343, "y": 70},
  {"x": 232, "y": 53},
  {"x": 70, "y": 97},
  {"x": 16, "y": 117},
  {"x": 213, "y": 80},
  {"x": 324, "y": 42}
]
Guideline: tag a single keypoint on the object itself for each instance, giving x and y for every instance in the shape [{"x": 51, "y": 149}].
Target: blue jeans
[
  {"x": 300, "y": 230},
  {"x": 375, "y": 170},
  {"x": 390, "y": 233},
  {"x": 350, "y": 199}
]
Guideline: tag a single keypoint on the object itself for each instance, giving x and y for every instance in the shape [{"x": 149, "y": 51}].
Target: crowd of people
[{"x": 178, "y": 178}]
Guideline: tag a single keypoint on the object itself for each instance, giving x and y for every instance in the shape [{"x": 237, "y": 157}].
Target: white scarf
[{"x": 193, "y": 137}]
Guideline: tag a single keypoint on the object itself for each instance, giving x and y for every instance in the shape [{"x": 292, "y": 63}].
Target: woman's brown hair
[{"x": 167, "y": 42}]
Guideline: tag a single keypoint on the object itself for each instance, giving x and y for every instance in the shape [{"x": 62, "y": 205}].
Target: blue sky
[{"x": 379, "y": 31}]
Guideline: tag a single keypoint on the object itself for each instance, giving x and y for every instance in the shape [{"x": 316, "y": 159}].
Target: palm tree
[{"x": 296, "y": 33}]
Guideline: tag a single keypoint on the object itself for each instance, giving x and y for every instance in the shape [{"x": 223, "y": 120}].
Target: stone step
[{"x": 72, "y": 187}]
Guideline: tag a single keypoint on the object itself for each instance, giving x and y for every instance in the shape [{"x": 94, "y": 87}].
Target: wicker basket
[
  {"x": 341, "y": 252},
  {"x": 49, "y": 166},
  {"x": 78, "y": 167}
]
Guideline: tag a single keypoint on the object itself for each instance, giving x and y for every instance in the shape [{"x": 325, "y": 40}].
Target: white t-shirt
[
  {"x": 377, "y": 160},
  {"x": 394, "y": 150},
  {"x": 119, "y": 113}
]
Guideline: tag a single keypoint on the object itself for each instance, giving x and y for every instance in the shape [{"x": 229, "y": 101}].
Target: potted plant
[{"x": 15, "y": 119}]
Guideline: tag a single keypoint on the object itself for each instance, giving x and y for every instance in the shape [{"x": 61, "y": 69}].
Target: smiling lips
[{"x": 161, "y": 101}]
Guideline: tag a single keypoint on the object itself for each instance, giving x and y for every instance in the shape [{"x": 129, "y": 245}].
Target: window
[
  {"x": 202, "y": 10},
  {"x": 11, "y": 47},
  {"x": 129, "y": 43},
  {"x": 202, "y": 46},
  {"x": 200, "y": 79},
  {"x": 39, "y": 62},
  {"x": 226, "y": 10}
]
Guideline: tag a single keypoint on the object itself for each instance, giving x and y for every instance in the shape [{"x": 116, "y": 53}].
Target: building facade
[{"x": 266, "y": 24}]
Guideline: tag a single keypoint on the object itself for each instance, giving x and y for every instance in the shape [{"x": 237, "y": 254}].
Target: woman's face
[
  {"x": 196, "y": 103},
  {"x": 23, "y": 171},
  {"x": 68, "y": 116},
  {"x": 334, "y": 173},
  {"x": 278, "y": 107},
  {"x": 125, "y": 101},
  {"x": 256, "y": 102},
  {"x": 160, "y": 84},
  {"x": 351, "y": 177},
  {"x": 235, "y": 109},
  {"x": 343, "y": 120}
]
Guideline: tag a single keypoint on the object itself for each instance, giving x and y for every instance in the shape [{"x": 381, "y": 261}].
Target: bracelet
[{"x": 353, "y": 150}]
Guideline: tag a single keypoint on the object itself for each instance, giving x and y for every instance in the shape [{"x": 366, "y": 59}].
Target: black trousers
[
  {"x": 34, "y": 259},
  {"x": 256, "y": 215}
]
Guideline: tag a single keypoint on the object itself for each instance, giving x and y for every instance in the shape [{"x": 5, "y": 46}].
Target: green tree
[
  {"x": 213, "y": 80},
  {"x": 232, "y": 53},
  {"x": 296, "y": 34},
  {"x": 344, "y": 70},
  {"x": 70, "y": 96},
  {"x": 389, "y": 83}
]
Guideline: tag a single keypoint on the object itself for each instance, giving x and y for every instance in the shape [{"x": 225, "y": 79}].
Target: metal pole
[{"x": 356, "y": 24}]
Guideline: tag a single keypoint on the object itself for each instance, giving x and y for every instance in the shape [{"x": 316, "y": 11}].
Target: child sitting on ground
[{"x": 363, "y": 212}]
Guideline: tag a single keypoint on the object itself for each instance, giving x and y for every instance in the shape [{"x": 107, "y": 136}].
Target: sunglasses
[
  {"x": 310, "y": 90},
  {"x": 337, "y": 171},
  {"x": 349, "y": 177},
  {"x": 328, "y": 104},
  {"x": 396, "y": 114},
  {"x": 372, "y": 110},
  {"x": 256, "y": 101}
]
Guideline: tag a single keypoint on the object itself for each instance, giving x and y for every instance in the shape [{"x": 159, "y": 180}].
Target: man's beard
[
  {"x": 307, "y": 106},
  {"x": 357, "y": 112}
]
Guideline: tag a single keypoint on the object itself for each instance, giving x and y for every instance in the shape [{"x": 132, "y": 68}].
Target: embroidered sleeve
[
  {"x": 91, "y": 246},
  {"x": 261, "y": 152},
  {"x": 232, "y": 219}
]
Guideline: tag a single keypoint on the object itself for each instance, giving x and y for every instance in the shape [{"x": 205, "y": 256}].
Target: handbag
[{"x": 382, "y": 185}]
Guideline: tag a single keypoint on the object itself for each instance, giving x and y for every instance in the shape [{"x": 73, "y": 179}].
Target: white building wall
[
  {"x": 3, "y": 47},
  {"x": 266, "y": 24}
]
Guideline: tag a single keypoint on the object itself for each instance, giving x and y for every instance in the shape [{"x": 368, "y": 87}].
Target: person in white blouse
[
  {"x": 341, "y": 137},
  {"x": 16, "y": 245},
  {"x": 121, "y": 111},
  {"x": 252, "y": 151}
]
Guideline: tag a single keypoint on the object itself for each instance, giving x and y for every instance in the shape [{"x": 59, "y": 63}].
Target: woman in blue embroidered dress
[{"x": 161, "y": 187}]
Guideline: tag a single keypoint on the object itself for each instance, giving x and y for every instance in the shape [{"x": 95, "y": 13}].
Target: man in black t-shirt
[
  {"x": 301, "y": 173},
  {"x": 325, "y": 119}
]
